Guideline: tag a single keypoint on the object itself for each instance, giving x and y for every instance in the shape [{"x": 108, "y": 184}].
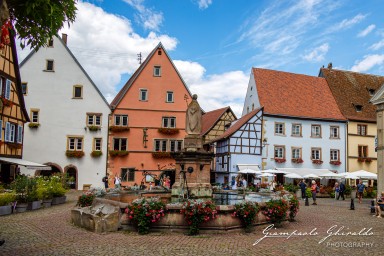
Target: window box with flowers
[
  {"x": 33, "y": 125},
  {"x": 94, "y": 128},
  {"x": 115, "y": 128},
  {"x": 168, "y": 131},
  {"x": 336, "y": 162},
  {"x": 297, "y": 160},
  {"x": 114, "y": 153},
  {"x": 6, "y": 102},
  {"x": 280, "y": 160},
  {"x": 74, "y": 154},
  {"x": 368, "y": 160},
  {"x": 317, "y": 161},
  {"x": 161, "y": 154},
  {"x": 14, "y": 145},
  {"x": 96, "y": 153}
]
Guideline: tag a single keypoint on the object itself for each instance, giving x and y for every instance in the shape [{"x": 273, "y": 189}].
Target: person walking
[
  {"x": 303, "y": 188},
  {"x": 105, "y": 180},
  {"x": 341, "y": 191},
  {"x": 360, "y": 190},
  {"x": 337, "y": 190},
  {"x": 244, "y": 183},
  {"x": 314, "y": 191}
]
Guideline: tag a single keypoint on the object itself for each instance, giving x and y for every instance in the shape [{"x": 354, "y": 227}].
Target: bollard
[
  {"x": 352, "y": 205},
  {"x": 306, "y": 201},
  {"x": 372, "y": 206}
]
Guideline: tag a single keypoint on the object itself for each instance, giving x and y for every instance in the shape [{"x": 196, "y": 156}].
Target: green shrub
[
  {"x": 291, "y": 188},
  {"x": 7, "y": 198},
  {"x": 308, "y": 192},
  {"x": 247, "y": 213},
  {"x": 348, "y": 190}
]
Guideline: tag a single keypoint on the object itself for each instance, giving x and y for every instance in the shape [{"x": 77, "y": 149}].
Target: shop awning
[
  {"x": 254, "y": 167},
  {"x": 28, "y": 164}
]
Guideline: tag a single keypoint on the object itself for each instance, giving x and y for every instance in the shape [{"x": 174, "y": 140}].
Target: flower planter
[
  {"x": 56, "y": 200},
  {"x": 21, "y": 207},
  {"x": 34, "y": 205},
  {"x": 5, "y": 210},
  {"x": 47, "y": 203},
  {"x": 62, "y": 199}
]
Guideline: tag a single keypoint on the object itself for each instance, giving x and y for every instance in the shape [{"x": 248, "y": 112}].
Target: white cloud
[
  {"x": 377, "y": 46},
  {"x": 368, "y": 62},
  {"x": 204, "y": 4},
  {"x": 366, "y": 31},
  {"x": 149, "y": 19},
  {"x": 317, "y": 54},
  {"x": 215, "y": 91},
  {"x": 347, "y": 23}
]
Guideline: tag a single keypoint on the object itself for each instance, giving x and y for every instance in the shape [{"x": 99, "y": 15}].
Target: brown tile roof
[
  {"x": 295, "y": 95},
  {"x": 209, "y": 119},
  {"x": 237, "y": 125},
  {"x": 352, "y": 88}
]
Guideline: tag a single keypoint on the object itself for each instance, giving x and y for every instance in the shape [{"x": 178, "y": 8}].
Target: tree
[{"x": 36, "y": 21}]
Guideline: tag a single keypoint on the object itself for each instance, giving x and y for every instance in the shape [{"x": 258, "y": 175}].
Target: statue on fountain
[{"x": 193, "y": 140}]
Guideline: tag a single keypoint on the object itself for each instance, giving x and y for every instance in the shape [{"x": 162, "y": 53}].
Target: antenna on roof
[{"x": 139, "y": 58}]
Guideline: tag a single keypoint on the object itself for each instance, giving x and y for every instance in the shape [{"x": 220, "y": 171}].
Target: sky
[{"x": 215, "y": 43}]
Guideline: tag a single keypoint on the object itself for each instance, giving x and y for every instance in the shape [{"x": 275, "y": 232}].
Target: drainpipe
[{"x": 106, "y": 162}]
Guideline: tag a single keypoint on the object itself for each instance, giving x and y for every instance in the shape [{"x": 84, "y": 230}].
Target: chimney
[
  {"x": 64, "y": 37},
  {"x": 330, "y": 65}
]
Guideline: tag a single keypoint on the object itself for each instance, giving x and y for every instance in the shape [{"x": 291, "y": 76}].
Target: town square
[{"x": 249, "y": 128}]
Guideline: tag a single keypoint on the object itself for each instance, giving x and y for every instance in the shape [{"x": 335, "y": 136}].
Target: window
[
  {"x": 175, "y": 145},
  {"x": 13, "y": 133},
  {"x": 169, "y": 97},
  {"x": 279, "y": 152},
  {"x": 156, "y": 71},
  {"x": 49, "y": 65},
  {"x": 97, "y": 144},
  {"x": 120, "y": 144},
  {"x": 279, "y": 129},
  {"x": 334, "y": 133},
  {"x": 296, "y": 130},
  {"x": 169, "y": 122},
  {"x": 363, "y": 151},
  {"x": 5, "y": 87},
  {"x": 316, "y": 131},
  {"x": 316, "y": 154},
  {"x": 19, "y": 135},
  {"x": 75, "y": 143},
  {"x": 121, "y": 120},
  {"x": 127, "y": 174},
  {"x": 247, "y": 110},
  {"x": 361, "y": 129},
  {"x": 24, "y": 88},
  {"x": 358, "y": 108},
  {"x": 253, "y": 106},
  {"x": 50, "y": 42},
  {"x": 160, "y": 145},
  {"x": 335, "y": 153},
  {"x": 34, "y": 116},
  {"x": 143, "y": 95},
  {"x": 94, "y": 119},
  {"x": 77, "y": 92},
  {"x": 296, "y": 153},
  {"x": 159, "y": 52}
]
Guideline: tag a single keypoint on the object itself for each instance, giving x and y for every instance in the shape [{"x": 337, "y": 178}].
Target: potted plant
[
  {"x": 33, "y": 200},
  {"x": 196, "y": 212},
  {"x": 5, "y": 203},
  {"x": 44, "y": 191},
  {"x": 58, "y": 190},
  {"x": 276, "y": 211},
  {"x": 20, "y": 186},
  {"x": 247, "y": 213}
]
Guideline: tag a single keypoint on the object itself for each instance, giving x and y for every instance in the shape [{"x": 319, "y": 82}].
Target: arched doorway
[{"x": 71, "y": 173}]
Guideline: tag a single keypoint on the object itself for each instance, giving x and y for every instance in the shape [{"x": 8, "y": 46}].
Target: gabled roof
[
  {"x": 210, "y": 119},
  {"x": 76, "y": 61},
  {"x": 295, "y": 95},
  {"x": 237, "y": 125},
  {"x": 131, "y": 80},
  {"x": 351, "y": 89},
  {"x": 18, "y": 79}
]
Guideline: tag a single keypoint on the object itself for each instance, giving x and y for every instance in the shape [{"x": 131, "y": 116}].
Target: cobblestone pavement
[{"x": 49, "y": 232}]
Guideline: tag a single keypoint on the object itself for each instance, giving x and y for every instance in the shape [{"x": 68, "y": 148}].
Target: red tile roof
[
  {"x": 236, "y": 125},
  {"x": 352, "y": 88},
  {"x": 295, "y": 95},
  {"x": 210, "y": 119}
]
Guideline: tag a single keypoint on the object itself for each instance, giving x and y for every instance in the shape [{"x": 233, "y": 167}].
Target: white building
[
  {"x": 302, "y": 125},
  {"x": 69, "y": 116}
]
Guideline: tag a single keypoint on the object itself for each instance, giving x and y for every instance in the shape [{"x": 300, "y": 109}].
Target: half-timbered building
[
  {"x": 13, "y": 114},
  {"x": 302, "y": 125},
  {"x": 240, "y": 144}
]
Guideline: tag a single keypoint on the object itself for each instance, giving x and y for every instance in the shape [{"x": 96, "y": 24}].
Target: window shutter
[
  {"x": 8, "y": 90},
  {"x": 7, "y": 131},
  {"x": 1, "y": 129},
  {"x": 19, "y": 134},
  {"x": 1, "y": 86}
]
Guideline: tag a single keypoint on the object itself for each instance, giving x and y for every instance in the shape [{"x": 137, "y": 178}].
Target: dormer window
[
  {"x": 371, "y": 92},
  {"x": 358, "y": 107}
]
